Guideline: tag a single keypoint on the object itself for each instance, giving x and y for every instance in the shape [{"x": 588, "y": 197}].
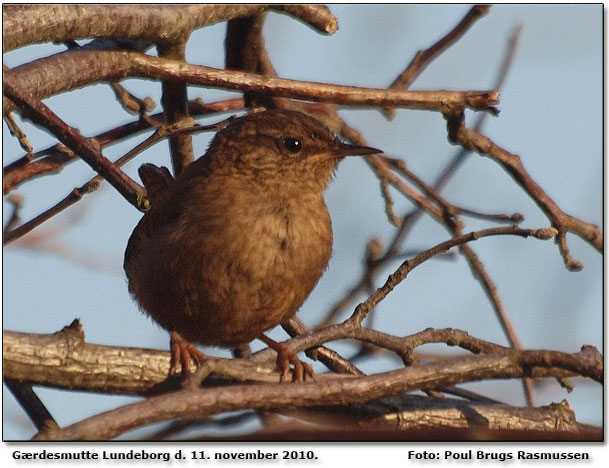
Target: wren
[{"x": 238, "y": 241}]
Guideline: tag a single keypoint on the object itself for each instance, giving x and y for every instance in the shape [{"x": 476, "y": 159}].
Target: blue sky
[{"x": 551, "y": 115}]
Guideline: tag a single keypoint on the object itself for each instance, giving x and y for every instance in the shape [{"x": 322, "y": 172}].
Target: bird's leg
[
  {"x": 285, "y": 357},
  {"x": 183, "y": 352}
]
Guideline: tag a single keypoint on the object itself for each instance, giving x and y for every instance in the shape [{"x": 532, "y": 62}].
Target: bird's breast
[{"x": 290, "y": 238}]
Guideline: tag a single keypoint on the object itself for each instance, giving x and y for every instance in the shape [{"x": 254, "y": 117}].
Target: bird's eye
[{"x": 293, "y": 145}]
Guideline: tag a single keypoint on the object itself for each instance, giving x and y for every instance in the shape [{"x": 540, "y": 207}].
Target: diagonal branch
[
  {"x": 411, "y": 217},
  {"x": 183, "y": 126},
  {"x": 39, "y": 113},
  {"x": 474, "y": 141},
  {"x": 52, "y": 159},
  {"x": 405, "y": 268},
  {"x": 424, "y": 57},
  {"x": 29, "y": 401}
]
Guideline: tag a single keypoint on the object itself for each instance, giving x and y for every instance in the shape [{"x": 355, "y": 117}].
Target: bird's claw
[
  {"x": 286, "y": 357},
  {"x": 183, "y": 353}
]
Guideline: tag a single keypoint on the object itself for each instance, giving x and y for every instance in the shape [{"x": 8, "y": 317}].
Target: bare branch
[
  {"x": 347, "y": 397},
  {"x": 15, "y": 131},
  {"x": 153, "y": 67},
  {"x": 30, "y": 165},
  {"x": 317, "y": 16},
  {"x": 130, "y": 103},
  {"x": 245, "y": 51},
  {"x": 474, "y": 141},
  {"x": 197, "y": 403},
  {"x": 175, "y": 107},
  {"x": 32, "y": 405},
  {"x": 450, "y": 169},
  {"x": 27, "y": 24},
  {"x": 113, "y": 65},
  {"x": 41, "y": 114},
  {"x": 16, "y": 201},
  {"x": 423, "y": 57},
  {"x": 184, "y": 126},
  {"x": 400, "y": 274}
]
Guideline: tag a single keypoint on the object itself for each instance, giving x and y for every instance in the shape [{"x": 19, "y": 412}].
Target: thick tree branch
[
  {"x": 244, "y": 47},
  {"x": 113, "y": 65},
  {"x": 307, "y": 432},
  {"x": 406, "y": 413},
  {"x": 28, "y": 24},
  {"x": 197, "y": 403},
  {"x": 65, "y": 360}
]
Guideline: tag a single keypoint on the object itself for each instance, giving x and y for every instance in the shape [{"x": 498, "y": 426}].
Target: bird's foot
[
  {"x": 285, "y": 356},
  {"x": 183, "y": 353}
]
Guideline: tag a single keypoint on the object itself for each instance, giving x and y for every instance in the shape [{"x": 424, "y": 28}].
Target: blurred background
[{"x": 551, "y": 115}]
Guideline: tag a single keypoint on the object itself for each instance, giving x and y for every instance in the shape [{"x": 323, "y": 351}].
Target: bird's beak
[{"x": 345, "y": 149}]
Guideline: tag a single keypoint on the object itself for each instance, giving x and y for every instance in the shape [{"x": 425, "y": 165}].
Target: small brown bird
[{"x": 236, "y": 244}]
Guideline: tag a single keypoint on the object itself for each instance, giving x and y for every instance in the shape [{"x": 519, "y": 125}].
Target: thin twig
[
  {"x": 447, "y": 173},
  {"x": 395, "y": 219},
  {"x": 331, "y": 359},
  {"x": 474, "y": 141},
  {"x": 423, "y": 57},
  {"x": 15, "y": 131},
  {"x": 476, "y": 265},
  {"x": 514, "y": 218},
  {"x": 131, "y": 103},
  {"x": 400, "y": 274}
]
